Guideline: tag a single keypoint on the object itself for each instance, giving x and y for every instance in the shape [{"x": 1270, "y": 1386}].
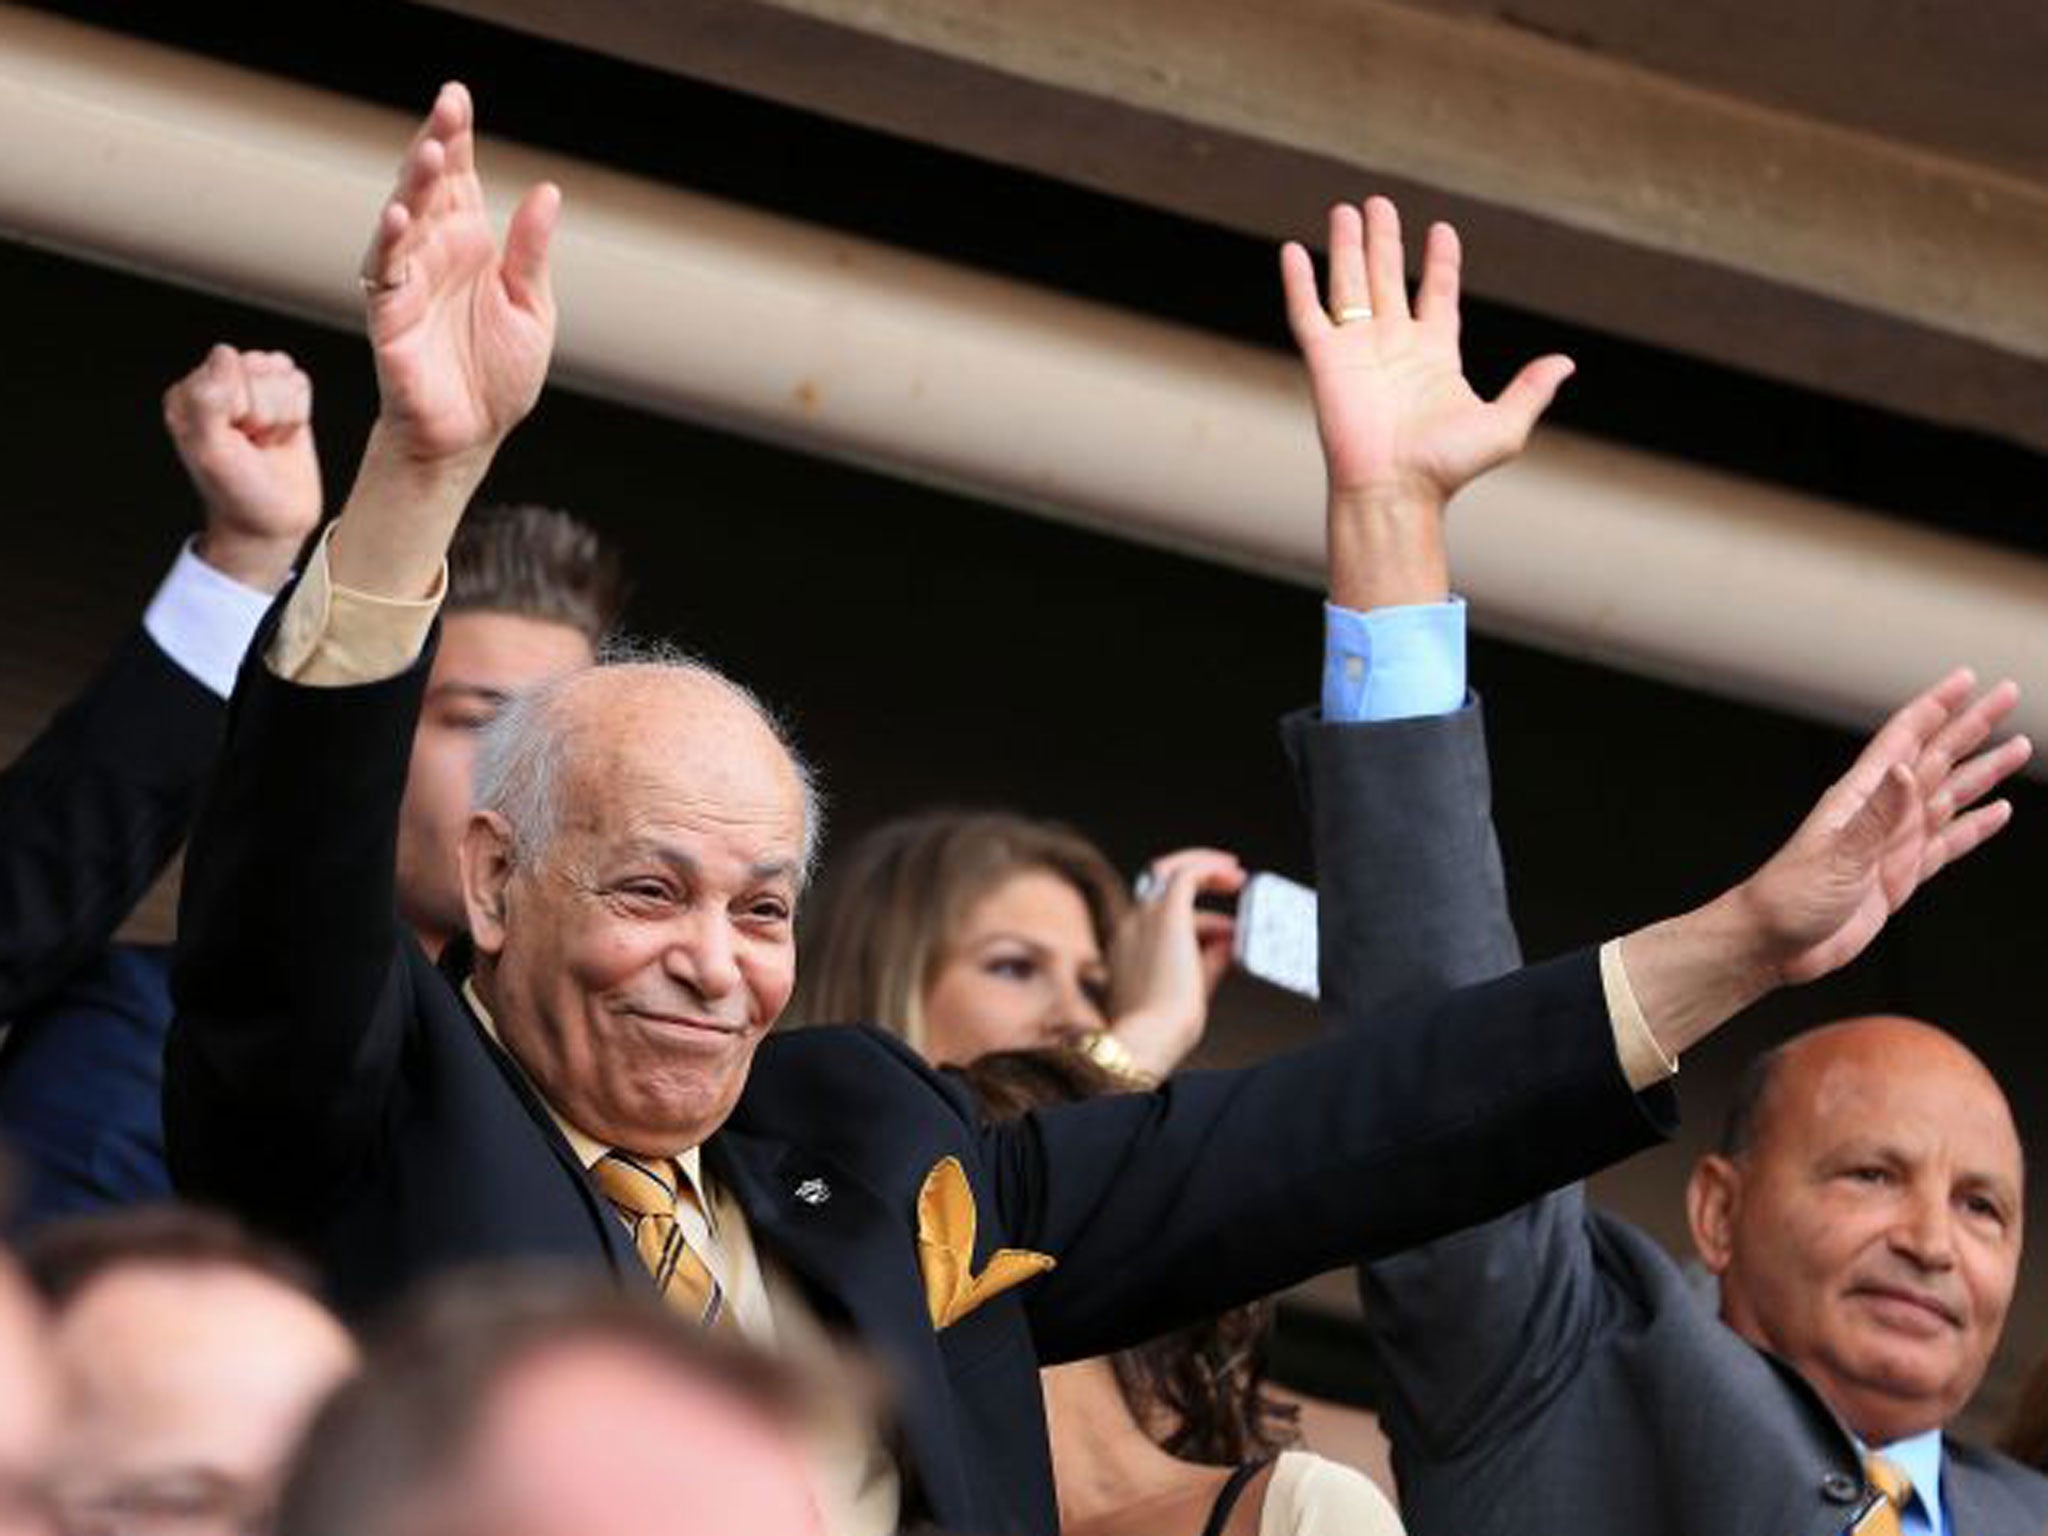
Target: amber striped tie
[
  {"x": 647, "y": 1193},
  {"x": 1897, "y": 1488}
]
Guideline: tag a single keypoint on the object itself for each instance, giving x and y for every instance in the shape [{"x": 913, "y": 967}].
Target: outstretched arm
[
  {"x": 292, "y": 973},
  {"x": 1393, "y": 774},
  {"x": 96, "y": 807}
]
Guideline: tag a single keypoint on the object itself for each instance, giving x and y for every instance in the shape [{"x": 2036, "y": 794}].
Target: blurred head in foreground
[
  {"x": 541, "y": 1404},
  {"x": 190, "y": 1356}
]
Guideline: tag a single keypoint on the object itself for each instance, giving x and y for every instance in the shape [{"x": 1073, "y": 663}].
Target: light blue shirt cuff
[
  {"x": 1393, "y": 663},
  {"x": 204, "y": 620}
]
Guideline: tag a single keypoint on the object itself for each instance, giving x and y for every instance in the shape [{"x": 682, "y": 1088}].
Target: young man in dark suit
[
  {"x": 101, "y": 802},
  {"x": 587, "y": 1079}
]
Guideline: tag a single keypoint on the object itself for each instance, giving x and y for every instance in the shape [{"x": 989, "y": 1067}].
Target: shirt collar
[
  {"x": 1920, "y": 1459},
  {"x": 588, "y": 1148}
]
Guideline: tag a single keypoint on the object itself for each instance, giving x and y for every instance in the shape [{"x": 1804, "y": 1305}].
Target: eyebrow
[
  {"x": 481, "y": 692},
  {"x": 1006, "y": 936},
  {"x": 686, "y": 864}
]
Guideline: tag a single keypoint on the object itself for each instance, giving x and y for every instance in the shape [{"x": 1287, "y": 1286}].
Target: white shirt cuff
[{"x": 204, "y": 620}]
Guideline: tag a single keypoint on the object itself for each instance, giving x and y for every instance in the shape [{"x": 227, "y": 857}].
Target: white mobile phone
[{"x": 1276, "y": 932}]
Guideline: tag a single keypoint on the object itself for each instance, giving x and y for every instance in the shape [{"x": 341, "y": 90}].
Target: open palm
[
  {"x": 461, "y": 332},
  {"x": 1907, "y": 807},
  {"x": 1395, "y": 412}
]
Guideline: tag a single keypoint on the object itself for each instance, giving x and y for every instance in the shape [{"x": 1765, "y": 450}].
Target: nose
[
  {"x": 1925, "y": 1229},
  {"x": 1072, "y": 1011},
  {"x": 702, "y": 955}
]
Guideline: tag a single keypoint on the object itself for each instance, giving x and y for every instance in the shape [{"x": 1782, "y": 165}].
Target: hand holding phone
[{"x": 1276, "y": 933}]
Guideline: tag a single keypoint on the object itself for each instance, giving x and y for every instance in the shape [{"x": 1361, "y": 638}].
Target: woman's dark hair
[{"x": 1200, "y": 1391}]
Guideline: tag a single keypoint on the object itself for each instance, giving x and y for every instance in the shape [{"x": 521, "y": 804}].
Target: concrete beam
[
  {"x": 197, "y": 173},
  {"x": 1821, "y": 255}
]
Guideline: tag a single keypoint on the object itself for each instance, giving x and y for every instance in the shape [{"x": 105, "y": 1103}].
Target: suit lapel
[
  {"x": 849, "y": 1247},
  {"x": 1979, "y": 1497},
  {"x": 620, "y": 1255}
]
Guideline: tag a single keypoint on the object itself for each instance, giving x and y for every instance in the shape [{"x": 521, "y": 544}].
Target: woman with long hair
[{"x": 1011, "y": 948}]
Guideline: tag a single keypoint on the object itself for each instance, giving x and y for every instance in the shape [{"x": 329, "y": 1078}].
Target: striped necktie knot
[
  {"x": 1889, "y": 1479},
  {"x": 648, "y": 1194},
  {"x": 637, "y": 1186}
]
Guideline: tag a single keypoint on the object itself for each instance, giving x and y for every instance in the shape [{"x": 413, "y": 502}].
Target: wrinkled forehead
[
  {"x": 675, "y": 752},
  {"x": 1923, "y": 1097}
]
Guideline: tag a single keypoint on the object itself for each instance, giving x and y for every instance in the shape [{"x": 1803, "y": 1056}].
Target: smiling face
[
  {"x": 1024, "y": 969},
  {"x": 1870, "y": 1234},
  {"x": 634, "y": 958}
]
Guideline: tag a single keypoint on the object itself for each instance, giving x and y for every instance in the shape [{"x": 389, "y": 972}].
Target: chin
[{"x": 1911, "y": 1386}]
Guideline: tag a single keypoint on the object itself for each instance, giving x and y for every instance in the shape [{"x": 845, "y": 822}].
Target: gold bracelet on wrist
[{"x": 1115, "y": 1058}]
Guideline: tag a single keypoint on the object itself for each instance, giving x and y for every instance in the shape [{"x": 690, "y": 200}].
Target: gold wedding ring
[
  {"x": 375, "y": 286},
  {"x": 1351, "y": 312}
]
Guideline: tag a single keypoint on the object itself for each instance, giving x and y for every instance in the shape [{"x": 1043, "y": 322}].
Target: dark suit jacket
[
  {"x": 1553, "y": 1371},
  {"x": 89, "y": 815},
  {"x": 81, "y": 1089},
  {"x": 92, "y": 812},
  {"x": 326, "y": 1081}
]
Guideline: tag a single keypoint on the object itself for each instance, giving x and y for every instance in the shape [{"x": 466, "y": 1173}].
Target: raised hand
[
  {"x": 1909, "y": 805},
  {"x": 1906, "y": 807},
  {"x": 242, "y": 425},
  {"x": 1402, "y": 430},
  {"x": 1168, "y": 956},
  {"x": 461, "y": 330}
]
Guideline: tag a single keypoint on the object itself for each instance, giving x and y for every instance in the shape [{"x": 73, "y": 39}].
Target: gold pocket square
[{"x": 945, "y": 1249}]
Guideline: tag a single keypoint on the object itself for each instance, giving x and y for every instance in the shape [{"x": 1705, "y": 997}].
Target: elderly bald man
[
  {"x": 585, "y": 1078},
  {"x": 1557, "y": 1370}
]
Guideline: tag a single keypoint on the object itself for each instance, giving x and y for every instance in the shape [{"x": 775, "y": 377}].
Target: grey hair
[{"x": 522, "y": 753}]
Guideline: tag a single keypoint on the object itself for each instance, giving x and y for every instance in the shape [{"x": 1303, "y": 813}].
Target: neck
[
  {"x": 1103, "y": 1458},
  {"x": 1875, "y": 1418}
]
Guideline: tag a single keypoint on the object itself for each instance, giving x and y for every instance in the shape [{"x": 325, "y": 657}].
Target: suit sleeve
[
  {"x": 291, "y": 980},
  {"x": 1477, "y": 1327},
  {"x": 1224, "y": 1186},
  {"x": 94, "y": 810}
]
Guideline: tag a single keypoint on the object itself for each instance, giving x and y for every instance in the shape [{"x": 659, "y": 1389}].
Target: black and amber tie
[
  {"x": 1885, "y": 1516},
  {"x": 647, "y": 1194}
]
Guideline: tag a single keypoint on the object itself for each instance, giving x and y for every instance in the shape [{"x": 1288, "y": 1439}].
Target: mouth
[
  {"x": 686, "y": 1024},
  {"x": 1913, "y": 1310}
]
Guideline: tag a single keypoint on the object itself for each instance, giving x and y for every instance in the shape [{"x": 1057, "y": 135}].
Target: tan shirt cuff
[
  {"x": 331, "y": 636},
  {"x": 1644, "y": 1061}
]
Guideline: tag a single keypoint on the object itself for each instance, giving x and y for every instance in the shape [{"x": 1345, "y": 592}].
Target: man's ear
[
  {"x": 1712, "y": 1196},
  {"x": 485, "y": 855}
]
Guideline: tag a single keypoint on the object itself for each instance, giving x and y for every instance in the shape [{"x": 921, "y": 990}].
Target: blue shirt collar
[{"x": 1920, "y": 1459}]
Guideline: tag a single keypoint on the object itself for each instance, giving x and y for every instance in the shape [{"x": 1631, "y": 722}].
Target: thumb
[
  {"x": 526, "y": 247},
  {"x": 1530, "y": 392}
]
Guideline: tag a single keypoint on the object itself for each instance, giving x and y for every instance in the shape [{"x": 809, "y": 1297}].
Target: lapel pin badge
[{"x": 813, "y": 1191}]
